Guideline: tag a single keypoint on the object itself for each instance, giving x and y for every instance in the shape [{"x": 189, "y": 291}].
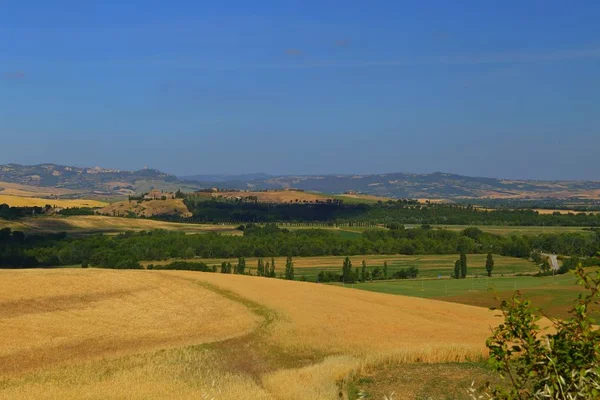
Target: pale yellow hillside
[
  {"x": 22, "y": 201},
  {"x": 147, "y": 208},
  {"x": 16, "y": 189}
]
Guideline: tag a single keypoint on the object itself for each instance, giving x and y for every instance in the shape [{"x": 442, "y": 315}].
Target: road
[{"x": 553, "y": 261}]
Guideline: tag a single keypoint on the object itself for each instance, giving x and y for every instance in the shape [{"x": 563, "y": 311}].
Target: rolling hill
[
  {"x": 83, "y": 180},
  {"x": 431, "y": 186},
  {"x": 190, "y": 335},
  {"x": 75, "y": 181}
]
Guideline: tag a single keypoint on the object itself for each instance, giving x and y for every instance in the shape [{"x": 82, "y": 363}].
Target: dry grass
[
  {"x": 318, "y": 381},
  {"x": 423, "y": 381},
  {"x": 21, "y": 201},
  {"x": 96, "y": 223},
  {"x": 147, "y": 208},
  {"x": 339, "y": 331}
]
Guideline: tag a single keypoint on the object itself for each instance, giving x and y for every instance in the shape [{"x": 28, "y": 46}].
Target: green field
[{"x": 554, "y": 295}]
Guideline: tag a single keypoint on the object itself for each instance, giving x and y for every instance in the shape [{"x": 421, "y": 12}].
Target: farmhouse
[{"x": 158, "y": 195}]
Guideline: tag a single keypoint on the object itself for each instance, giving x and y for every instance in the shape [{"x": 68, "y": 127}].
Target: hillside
[
  {"x": 21, "y": 201},
  {"x": 78, "y": 182},
  {"x": 83, "y": 180},
  {"x": 222, "y": 336},
  {"x": 148, "y": 208},
  {"x": 425, "y": 186}
]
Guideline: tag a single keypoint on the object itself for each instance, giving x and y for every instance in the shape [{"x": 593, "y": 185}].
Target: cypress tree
[
  {"x": 364, "y": 271},
  {"x": 463, "y": 265},
  {"x": 260, "y": 269},
  {"x": 489, "y": 264},
  {"x": 385, "y": 269},
  {"x": 346, "y": 270},
  {"x": 241, "y": 266},
  {"x": 289, "y": 269},
  {"x": 457, "y": 269},
  {"x": 272, "y": 274}
]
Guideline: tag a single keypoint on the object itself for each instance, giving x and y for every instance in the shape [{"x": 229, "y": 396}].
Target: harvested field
[
  {"x": 550, "y": 211},
  {"x": 86, "y": 224},
  {"x": 316, "y": 332},
  {"x": 16, "y": 189},
  {"x": 22, "y": 201},
  {"x": 276, "y": 196},
  {"x": 512, "y": 230}
]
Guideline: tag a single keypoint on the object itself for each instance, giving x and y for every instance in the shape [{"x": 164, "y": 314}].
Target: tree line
[
  {"x": 129, "y": 249},
  {"x": 400, "y": 211}
]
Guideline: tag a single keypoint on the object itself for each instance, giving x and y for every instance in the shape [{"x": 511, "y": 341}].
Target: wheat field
[{"x": 89, "y": 333}]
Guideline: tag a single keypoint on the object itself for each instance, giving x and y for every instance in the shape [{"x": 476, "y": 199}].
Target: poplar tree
[
  {"x": 260, "y": 269},
  {"x": 346, "y": 270},
  {"x": 385, "y": 269},
  {"x": 364, "y": 271}
]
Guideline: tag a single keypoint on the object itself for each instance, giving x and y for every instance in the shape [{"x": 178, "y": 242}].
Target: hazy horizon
[
  {"x": 275, "y": 174},
  {"x": 505, "y": 90}
]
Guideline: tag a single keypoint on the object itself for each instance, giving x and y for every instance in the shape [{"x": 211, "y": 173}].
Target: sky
[{"x": 506, "y": 89}]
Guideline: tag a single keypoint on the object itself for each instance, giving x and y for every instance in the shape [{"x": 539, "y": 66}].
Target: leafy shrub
[
  {"x": 562, "y": 364},
  {"x": 184, "y": 266},
  {"x": 409, "y": 273}
]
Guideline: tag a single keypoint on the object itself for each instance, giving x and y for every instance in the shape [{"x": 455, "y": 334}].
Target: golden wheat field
[
  {"x": 22, "y": 201},
  {"x": 94, "y": 334}
]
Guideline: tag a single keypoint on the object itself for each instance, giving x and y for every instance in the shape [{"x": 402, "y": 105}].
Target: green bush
[{"x": 560, "y": 363}]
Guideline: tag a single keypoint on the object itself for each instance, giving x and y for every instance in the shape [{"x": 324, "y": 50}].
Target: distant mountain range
[
  {"x": 398, "y": 185},
  {"x": 108, "y": 181},
  {"x": 226, "y": 178},
  {"x": 431, "y": 186}
]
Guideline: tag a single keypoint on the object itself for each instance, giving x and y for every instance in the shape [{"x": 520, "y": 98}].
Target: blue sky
[{"x": 503, "y": 89}]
